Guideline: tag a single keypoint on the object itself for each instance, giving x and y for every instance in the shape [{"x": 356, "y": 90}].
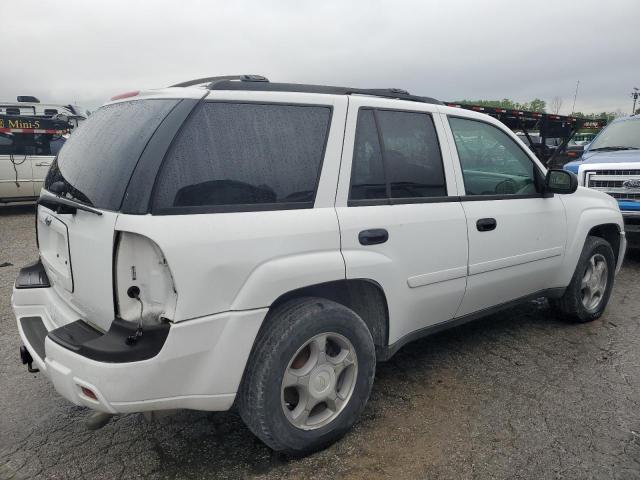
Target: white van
[{"x": 31, "y": 134}]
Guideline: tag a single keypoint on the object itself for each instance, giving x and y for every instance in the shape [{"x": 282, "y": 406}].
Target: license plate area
[{"x": 53, "y": 239}]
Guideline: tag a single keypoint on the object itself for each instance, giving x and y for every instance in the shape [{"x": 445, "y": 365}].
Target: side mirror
[{"x": 560, "y": 181}]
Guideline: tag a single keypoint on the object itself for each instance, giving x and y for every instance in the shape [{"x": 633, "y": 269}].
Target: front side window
[
  {"x": 396, "y": 156},
  {"x": 245, "y": 156},
  {"x": 492, "y": 163}
]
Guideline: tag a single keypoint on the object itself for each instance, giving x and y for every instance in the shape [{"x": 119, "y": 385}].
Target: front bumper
[{"x": 199, "y": 365}]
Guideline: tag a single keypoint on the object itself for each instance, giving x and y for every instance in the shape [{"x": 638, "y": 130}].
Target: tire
[
  {"x": 574, "y": 305},
  {"x": 289, "y": 343}
]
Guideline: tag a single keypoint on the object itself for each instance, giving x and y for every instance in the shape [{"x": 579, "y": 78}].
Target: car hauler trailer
[{"x": 547, "y": 126}]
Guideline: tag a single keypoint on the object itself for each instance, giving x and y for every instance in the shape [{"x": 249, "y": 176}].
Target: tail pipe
[{"x": 27, "y": 359}]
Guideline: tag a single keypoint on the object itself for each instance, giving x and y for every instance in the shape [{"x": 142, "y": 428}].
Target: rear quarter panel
[{"x": 246, "y": 260}]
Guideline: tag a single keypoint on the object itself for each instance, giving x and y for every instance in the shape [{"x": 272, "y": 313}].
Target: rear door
[
  {"x": 401, "y": 221},
  {"x": 517, "y": 234},
  {"x": 93, "y": 168}
]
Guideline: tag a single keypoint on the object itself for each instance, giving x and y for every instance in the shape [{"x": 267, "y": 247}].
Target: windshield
[
  {"x": 624, "y": 134},
  {"x": 94, "y": 166}
]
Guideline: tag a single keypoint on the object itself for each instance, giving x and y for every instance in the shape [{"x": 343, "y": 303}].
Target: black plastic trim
[
  {"x": 452, "y": 198},
  {"x": 137, "y": 196},
  {"x": 36, "y": 333},
  {"x": 385, "y": 353},
  {"x": 248, "y": 207},
  {"x": 479, "y": 198},
  {"x": 401, "y": 201},
  {"x": 395, "y": 93},
  {"x": 112, "y": 346},
  {"x": 32, "y": 276}
]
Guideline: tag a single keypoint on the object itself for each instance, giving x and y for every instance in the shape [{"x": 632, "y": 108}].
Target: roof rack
[
  {"x": 260, "y": 83},
  {"x": 213, "y": 80},
  {"x": 396, "y": 93}
]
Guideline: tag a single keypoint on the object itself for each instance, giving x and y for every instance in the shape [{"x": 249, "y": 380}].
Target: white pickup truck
[{"x": 239, "y": 241}]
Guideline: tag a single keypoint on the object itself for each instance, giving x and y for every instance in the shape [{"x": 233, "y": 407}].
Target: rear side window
[
  {"x": 243, "y": 157},
  {"x": 94, "y": 166},
  {"x": 396, "y": 157}
]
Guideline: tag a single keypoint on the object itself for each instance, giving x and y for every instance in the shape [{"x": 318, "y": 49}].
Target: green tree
[{"x": 536, "y": 105}]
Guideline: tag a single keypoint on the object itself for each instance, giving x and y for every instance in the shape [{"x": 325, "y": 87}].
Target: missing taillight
[{"x": 143, "y": 286}]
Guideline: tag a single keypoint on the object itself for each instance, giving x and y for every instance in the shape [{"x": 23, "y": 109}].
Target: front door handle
[
  {"x": 373, "y": 236},
  {"x": 486, "y": 224},
  {"x": 43, "y": 164}
]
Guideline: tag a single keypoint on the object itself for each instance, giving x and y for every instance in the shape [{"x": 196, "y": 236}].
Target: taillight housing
[{"x": 139, "y": 262}]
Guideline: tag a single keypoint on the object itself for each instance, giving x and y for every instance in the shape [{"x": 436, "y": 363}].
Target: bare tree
[{"x": 556, "y": 105}]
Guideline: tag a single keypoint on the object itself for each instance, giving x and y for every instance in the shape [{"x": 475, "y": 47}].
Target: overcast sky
[{"x": 87, "y": 51}]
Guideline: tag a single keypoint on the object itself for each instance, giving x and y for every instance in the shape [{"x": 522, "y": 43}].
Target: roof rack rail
[
  {"x": 213, "y": 80},
  {"x": 265, "y": 86}
]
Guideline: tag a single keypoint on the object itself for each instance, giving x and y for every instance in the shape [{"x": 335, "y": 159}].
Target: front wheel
[
  {"x": 309, "y": 376},
  {"x": 588, "y": 293}
]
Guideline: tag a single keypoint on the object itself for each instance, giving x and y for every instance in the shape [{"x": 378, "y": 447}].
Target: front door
[
  {"x": 401, "y": 222},
  {"x": 517, "y": 234}
]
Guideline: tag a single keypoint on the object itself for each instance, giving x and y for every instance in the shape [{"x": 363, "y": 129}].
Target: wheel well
[
  {"x": 364, "y": 297},
  {"x": 611, "y": 233}
]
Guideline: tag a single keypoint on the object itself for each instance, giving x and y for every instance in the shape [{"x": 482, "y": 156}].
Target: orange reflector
[{"x": 88, "y": 393}]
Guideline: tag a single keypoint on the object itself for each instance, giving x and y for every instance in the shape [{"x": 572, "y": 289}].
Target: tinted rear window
[
  {"x": 244, "y": 156},
  {"x": 96, "y": 162},
  {"x": 396, "y": 156}
]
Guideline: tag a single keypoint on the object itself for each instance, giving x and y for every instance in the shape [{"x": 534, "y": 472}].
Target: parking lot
[{"x": 520, "y": 394}]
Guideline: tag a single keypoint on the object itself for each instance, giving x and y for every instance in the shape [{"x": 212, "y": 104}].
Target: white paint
[{"x": 215, "y": 275}]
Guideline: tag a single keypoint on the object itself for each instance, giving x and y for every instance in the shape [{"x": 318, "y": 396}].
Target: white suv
[{"x": 265, "y": 244}]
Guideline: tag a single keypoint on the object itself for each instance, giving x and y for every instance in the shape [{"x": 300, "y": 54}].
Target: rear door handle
[
  {"x": 43, "y": 164},
  {"x": 373, "y": 236},
  {"x": 486, "y": 224}
]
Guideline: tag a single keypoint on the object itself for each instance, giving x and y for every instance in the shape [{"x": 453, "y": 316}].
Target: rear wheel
[
  {"x": 588, "y": 293},
  {"x": 309, "y": 376}
]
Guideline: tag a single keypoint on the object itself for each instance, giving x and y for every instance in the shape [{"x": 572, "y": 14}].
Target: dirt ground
[{"x": 519, "y": 394}]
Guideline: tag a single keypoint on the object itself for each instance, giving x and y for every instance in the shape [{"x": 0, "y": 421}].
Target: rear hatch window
[{"x": 96, "y": 163}]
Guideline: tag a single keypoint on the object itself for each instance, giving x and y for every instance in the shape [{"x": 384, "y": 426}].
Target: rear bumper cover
[{"x": 199, "y": 365}]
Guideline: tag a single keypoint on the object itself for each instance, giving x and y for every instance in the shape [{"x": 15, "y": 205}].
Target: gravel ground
[{"x": 519, "y": 394}]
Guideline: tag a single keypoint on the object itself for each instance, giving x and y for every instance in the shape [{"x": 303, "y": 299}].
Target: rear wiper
[
  {"x": 613, "y": 148},
  {"x": 64, "y": 205}
]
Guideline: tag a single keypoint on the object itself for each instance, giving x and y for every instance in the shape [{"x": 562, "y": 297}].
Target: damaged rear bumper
[{"x": 195, "y": 364}]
